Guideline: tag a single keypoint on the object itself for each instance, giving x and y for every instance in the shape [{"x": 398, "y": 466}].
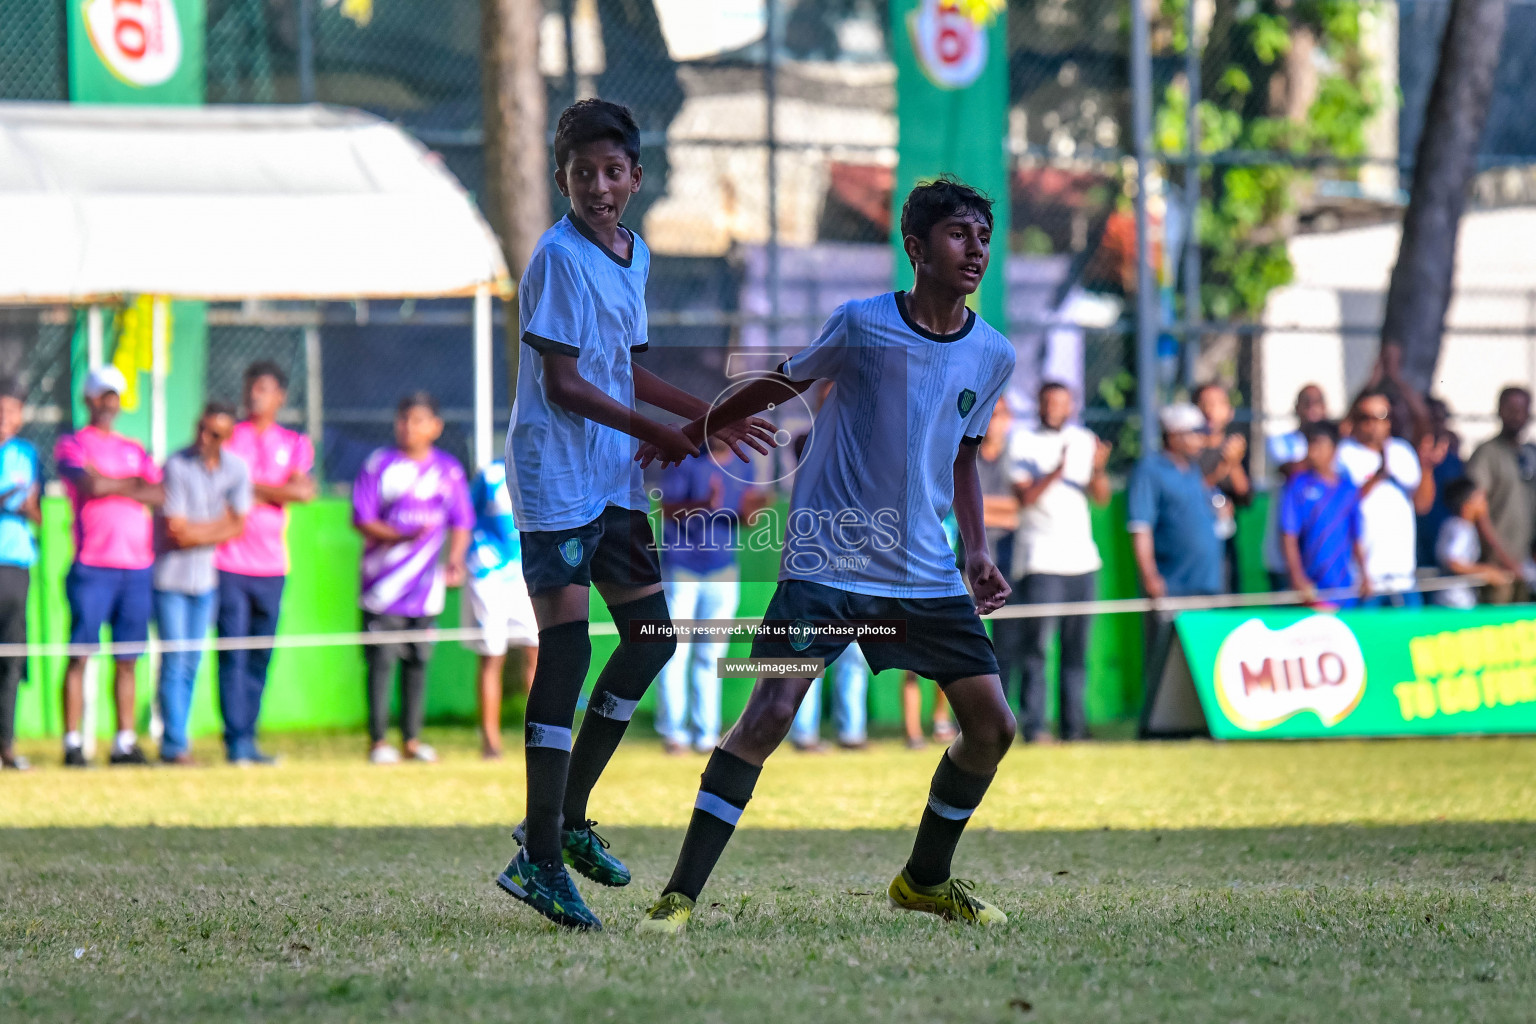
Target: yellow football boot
[
  {"x": 951, "y": 900},
  {"x": 669, "y": 916}
]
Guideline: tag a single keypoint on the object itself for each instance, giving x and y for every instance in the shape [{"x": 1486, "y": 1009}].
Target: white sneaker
[
  {"x": 424, "y": 753},
  {"x": 385, "y": 754}
]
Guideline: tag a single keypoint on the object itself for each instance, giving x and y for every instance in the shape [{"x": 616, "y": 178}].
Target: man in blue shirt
[
  {"x": 703, "y": 505},
  {"x": 20, "y": 487},
  {"x": 1319, "y": 521},
  {"x": 1170, "y": 515}
]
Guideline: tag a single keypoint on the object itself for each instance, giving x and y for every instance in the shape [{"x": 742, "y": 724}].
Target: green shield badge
[{"x": 966, "y": 402}]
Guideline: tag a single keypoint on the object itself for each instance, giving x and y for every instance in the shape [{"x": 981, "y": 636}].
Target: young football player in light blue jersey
[
  {"x": 578, "y": 501},
  {"x": 916, "y": 375}
]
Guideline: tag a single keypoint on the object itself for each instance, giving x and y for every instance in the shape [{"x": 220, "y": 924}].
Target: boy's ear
[
  {"x": 634, "y": 186},
  {"x": 561, "y": 183},
  {"x": 914, "y": 248}
]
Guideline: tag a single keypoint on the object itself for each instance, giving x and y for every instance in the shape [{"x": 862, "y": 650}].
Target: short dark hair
[
  {"x": 1366, "y": 395},
  {"x": 11, "y": 387},
  {"x": 217, "y": 407},
  {"x": 1051, "y": 385},
  {"x": 416, "y": 400},
  {"x": 592, "y": 120},
  {"x": 1512, "y": 390},
  {"x": 1457, "y": 493},
  {"x": 1200, "y": 389},
  {"x": 944, "y": 196},
  {"x": 266, "y": 368},
  {"x": 1322, "y": 428}
]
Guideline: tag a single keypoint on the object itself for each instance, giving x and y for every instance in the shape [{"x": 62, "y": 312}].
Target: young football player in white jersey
[
  {"x": 577, "y": 497},
  {"x": 916, "y": 375}
]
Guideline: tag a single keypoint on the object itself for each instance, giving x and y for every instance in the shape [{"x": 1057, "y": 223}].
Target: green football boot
[
  {"x": 549, "y": 890},
  {"x": 586, "y": 851}
]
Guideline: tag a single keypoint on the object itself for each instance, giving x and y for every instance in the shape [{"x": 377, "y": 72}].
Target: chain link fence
[{"x": 1305, "y": 118}]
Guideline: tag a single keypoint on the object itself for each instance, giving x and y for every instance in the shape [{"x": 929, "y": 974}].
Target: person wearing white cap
[
  {"x": 1170, "y": 515},
  {"x": 112, "y": 484}
]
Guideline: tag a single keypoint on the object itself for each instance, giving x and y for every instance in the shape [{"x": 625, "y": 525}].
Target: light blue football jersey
[
  {"x": 578, "y": 298},
  {"x": 495, "y": 545},
  {"x": 877, "y": 476},
  {"x": 19, "y": 474}
]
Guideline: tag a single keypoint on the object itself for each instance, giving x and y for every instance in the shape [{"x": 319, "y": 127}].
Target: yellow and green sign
[
  {"x": 1304, "y": 675},
  {"x": 952, "y": 110},
  {"x": 136, "y": 51}
]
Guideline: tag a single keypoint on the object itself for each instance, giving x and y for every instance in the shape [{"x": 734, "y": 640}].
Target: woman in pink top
[
  {"x": 112, "y": 484},
  {"x": 254, "y": 566}
]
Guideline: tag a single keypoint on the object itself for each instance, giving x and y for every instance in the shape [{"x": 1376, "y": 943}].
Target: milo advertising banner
[
  {"x": 952, "y": 108},
  {"x": 136, "y": 51},
  {"x": 1298, "y": 674}
]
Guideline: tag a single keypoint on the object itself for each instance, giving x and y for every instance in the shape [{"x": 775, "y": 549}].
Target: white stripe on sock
[
  {"x": 614, "y": 707},
  {"x": 711, "y": 804},
  {"x": 551, "y": 736},
  {"x": 948, "y": 811}
]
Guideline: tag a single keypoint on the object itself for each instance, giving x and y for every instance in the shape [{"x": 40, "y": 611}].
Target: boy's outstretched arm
[
  {"x": 564, "y": 386},
  {"x": 755, "y": 432},
  {"x": 988, "y": 586},
  {"x": 728, "y": 415}
]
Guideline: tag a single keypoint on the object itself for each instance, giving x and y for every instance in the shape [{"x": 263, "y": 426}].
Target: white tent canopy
[{"x": 229, "y": 202}]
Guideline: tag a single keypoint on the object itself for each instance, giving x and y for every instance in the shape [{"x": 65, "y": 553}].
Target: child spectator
[
  {"x": 407, "y": 502},
  {"x": 1320, "y": 522},
  {"x": 1460, "y": 542}
]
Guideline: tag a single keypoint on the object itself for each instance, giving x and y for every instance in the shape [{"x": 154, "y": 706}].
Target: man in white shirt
[
  {"x": 1396, "y": 484},
  {"x": 1058, "y": 469}
]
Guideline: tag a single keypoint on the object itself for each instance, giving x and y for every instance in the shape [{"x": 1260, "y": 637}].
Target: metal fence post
[
  {"x": 1194, "y": 315},
  {"x": 306, "y": 51},
  {"x": 314, "y": 395},
  {"x": 484, "y": 433},
  {"x": 1146, "y": 287},
  {"x": 771, "y": 139}
]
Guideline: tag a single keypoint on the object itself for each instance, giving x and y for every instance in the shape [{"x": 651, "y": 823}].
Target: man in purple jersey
[{"x": 407, "y": 502}]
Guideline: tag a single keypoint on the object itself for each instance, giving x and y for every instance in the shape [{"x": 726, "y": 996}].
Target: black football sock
[
  {"x": 565, "y": 651},
  {"x": 954, "y": 794},
  {"x": 619, "y": 688},
  {"x": 724, "y": 791}
]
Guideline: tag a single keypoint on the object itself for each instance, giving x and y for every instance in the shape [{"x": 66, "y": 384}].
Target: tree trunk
[
  {"x": 1443, "y": 168},
  {"x": 516, "y": 118}
]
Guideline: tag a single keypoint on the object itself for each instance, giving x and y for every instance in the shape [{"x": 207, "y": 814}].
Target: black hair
[
  {"x": 11, "y": 387},
  {"x": 1052, "y": 385},
  {"x": 266, "y": 368},
  {"x": 933, "y": 201},
  {"x": 1369, "y": 393},
  {"x": 593, "y": 120},
  {"x": 1322, "y": 428},
  {"x": 219, "y": 408},
  {"x": 1457, "y": 493},
  {"x": 1512, "y": 390},
  {"x": 1200, "y": 389},
  {"x": 416, "y": 400}
]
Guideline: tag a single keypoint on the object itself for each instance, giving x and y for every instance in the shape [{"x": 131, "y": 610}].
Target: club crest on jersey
[
  {"x": 570, "y": 550},
  {"x": 801, "y": 633},
  {"x": 966, "y": 402}
]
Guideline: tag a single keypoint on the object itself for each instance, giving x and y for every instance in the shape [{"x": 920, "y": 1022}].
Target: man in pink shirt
[
  {"x": 254, "y": 566},
  {"x": 112, "y": 484}
]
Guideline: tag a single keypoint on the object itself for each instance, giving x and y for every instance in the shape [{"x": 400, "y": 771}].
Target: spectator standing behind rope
[
  {"x": 409, "y": 502},
  {"x": 112, "y": 484},
  {"x": 1058, "y": 470},
  {"x": 21, "y": 480},
  {"x": 253, "y": 567},
  {"x": 1450, "y": 468},
  {"x": 1288, "y": 456},
  {"x": 1504, "y": 469},
  {"x": 1396, "y": 482},
  {"x": 1319, "y": 522},
  {"x": 1221, "y": 460},
  {"x": 207, "y": 498},
  {"x": 1457, "y": 546}
]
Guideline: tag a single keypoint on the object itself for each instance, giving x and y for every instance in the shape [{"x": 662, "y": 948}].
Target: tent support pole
[
  {"x": 94, "y": 340},
  {"x": 159, "y": 346},
  {"x": 314, "y": 396},
  {"x": 483, "y": 396}
]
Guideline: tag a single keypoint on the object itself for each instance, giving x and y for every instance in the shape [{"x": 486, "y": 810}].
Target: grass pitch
[{"x": 1190, "y": 882}]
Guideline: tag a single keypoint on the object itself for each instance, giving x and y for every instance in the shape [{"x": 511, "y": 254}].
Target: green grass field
[{"x": 1161, "y": 882}]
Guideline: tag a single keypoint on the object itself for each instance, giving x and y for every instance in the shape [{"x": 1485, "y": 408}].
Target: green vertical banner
[
  {"x": 952, "y": 108},
  {"x": 136, "y": 51}
]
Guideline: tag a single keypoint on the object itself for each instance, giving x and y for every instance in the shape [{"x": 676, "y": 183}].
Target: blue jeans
[
  {"x": 688, "y": 697},
  {"x": 180, "y": 617},
  {"x": 1410, "y": 599},
  {"x": 248, "y": 606},
  {"x": 850, "y": 683}
]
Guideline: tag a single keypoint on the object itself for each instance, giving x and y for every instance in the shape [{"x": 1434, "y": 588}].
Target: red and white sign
[
  {"x": 1265, "y": 676},
  {"x": 950, "y": 43},
  {"x": 138, "y": 40}
]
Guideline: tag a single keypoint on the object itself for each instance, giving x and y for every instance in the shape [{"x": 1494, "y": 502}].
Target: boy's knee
[{"x": 994, "y": 737}]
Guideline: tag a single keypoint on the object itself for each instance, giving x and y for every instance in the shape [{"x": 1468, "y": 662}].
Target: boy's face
[
  {"x": 598, "y": 179},
  {"x": 417, "y": 428},
  {"x": 212, "y": 432},
  {"x": 264, "y": 397},
  {"x": 1320, "y": 451},
  {"x": 1217, "y": 408},
  {"x": 11, "y": 413},
  {"x": 955, "y": 254}
]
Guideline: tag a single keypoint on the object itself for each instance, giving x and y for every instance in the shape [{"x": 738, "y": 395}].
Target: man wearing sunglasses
[
  {"x": 207, "y": 494},
  {"x": 1396, "y": 481}
]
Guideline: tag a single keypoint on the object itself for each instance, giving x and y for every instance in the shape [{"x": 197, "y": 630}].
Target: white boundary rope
[{"x": 742, "y": 625}]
